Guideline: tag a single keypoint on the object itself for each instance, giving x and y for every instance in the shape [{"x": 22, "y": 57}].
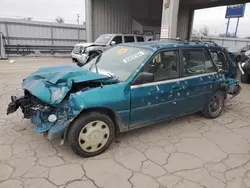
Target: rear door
[
  {"x": 128, "y": 38},
  {"x": 200, "y": 76}
]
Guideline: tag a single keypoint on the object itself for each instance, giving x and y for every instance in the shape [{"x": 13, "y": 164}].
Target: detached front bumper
[
  {"x": 21, "y": 102},
  {"x": 14, "y": 105}
]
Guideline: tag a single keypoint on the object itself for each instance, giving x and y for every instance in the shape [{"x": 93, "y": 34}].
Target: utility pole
[
  {"x": 228, "y": 23},
  {"x": 78, "y": 21}
]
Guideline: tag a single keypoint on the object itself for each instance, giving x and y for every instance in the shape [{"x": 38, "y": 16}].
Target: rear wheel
[
  {"x": 215, "y": 106},
  {"x": 91, "y": 134}
]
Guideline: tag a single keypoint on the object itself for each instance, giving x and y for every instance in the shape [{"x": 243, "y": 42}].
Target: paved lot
[{"x": 191, "y": 152}]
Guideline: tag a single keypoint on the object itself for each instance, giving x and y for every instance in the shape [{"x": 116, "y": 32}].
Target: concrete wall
[
  {"x": 185, "y": 21},
  {"x": 136, "y": 26},
  {"x": 20, "y": 32},
  {"x": 116, "y": 16},
  {"x": 110, "y": 16}
]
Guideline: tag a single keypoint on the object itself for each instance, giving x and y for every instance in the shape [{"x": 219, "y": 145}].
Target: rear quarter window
[{"x": 140, "y": 39}]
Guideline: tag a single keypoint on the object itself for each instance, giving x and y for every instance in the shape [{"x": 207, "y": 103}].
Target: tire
[
  {"x": 91, "y": 134},
  {"x": 215, "y": 106},
  {"x": 74, "y": 60},
  {"x": 244, "y": 78}
]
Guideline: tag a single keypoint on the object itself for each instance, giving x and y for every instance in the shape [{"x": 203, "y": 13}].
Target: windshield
[
  {"x": 103, "y": 39},
  {"x": 119, "y": 62}
]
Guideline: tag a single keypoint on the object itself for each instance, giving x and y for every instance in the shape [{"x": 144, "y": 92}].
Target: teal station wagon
[{"x": 127, "y": 87}]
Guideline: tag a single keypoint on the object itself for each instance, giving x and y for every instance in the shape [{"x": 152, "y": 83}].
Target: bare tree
[
  {"x": 59, "y": 19},
  {"x": 204, "y": 31},
  {"x": 28, "y": 18},
  {"x": 195, "y": 33},
  {"x": 229, "y": 35}
]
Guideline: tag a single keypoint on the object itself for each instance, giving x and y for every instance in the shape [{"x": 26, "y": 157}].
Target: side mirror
[
  {"x": 143, "y": 78},
  {"x": 113, "y": 43}
]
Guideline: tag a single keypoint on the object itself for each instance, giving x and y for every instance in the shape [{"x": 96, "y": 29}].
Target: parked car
[
  {"x": 127, "y": 87},
  {"x": 245, "y": 49},
  {"x": 84, "y": 52},
  {"x": 245, "y": 68},
  {"x": 237, "y": 54}
]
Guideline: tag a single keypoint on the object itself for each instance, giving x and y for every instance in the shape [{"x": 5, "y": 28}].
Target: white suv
[{"x": 84, "y": 52}]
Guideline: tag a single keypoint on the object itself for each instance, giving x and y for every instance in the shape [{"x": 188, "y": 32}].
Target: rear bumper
[{"x": 234, "y": 88}]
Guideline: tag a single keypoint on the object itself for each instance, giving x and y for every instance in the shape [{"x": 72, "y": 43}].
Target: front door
[{"x": 156, "y": 101}]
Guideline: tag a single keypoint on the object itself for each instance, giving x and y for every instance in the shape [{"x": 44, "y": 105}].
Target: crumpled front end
[
  {"x": 46, "y": 99},
  {"x": 47, "y": 119}
]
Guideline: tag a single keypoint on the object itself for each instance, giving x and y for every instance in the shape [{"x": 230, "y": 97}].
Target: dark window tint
[
  {"x": 164, "y": 66},
  {"x": 140, "y": 39},
  {"x": 197, "y": 62},
  {"x": 118, "y": 39},
  {"x": 129, "y": 38}
]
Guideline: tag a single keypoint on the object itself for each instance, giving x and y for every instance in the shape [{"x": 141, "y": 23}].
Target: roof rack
[
  {"x": 201, "y": 41},
  {"x": 177, "y": 39}
]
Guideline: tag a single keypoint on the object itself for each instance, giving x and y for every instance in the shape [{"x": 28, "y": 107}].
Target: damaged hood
[
  {"x": 90, "y": 44},
  {"x": 52, "y": 84},
  {"x": 85, "y": 44}
]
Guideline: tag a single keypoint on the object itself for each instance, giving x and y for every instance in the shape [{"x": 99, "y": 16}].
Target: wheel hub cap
[{"x": 93, "y": 136}]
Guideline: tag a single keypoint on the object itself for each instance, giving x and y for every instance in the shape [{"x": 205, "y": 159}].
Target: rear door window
[
  {"x": 219, "y": 59},
  {"x": 140, "y": 39},
  {"x": 129, "y": 39},
  {"x": 196, "y": 62}
]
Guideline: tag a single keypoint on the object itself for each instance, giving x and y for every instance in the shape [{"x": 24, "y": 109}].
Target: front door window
[{"x": 164, "y": 66}]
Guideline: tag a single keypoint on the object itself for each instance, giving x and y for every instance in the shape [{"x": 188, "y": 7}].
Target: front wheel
[
  {"x": 215, "y": 106},
  {"x": 91, "y": 134}
]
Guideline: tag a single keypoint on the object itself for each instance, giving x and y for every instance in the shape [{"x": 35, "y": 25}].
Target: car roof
[
  {"x": 124, "y": 34},
  {"x": 156, "y": 45}
]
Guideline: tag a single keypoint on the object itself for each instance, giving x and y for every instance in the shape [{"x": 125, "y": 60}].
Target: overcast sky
[
  {"x": 44, "y": 10},
  {"x": 214, "y": 18},
  {"x": 48, "y": 10}
]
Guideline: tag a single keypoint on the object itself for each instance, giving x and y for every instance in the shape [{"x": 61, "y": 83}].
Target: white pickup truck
[{"x": 84, "y": 52}]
